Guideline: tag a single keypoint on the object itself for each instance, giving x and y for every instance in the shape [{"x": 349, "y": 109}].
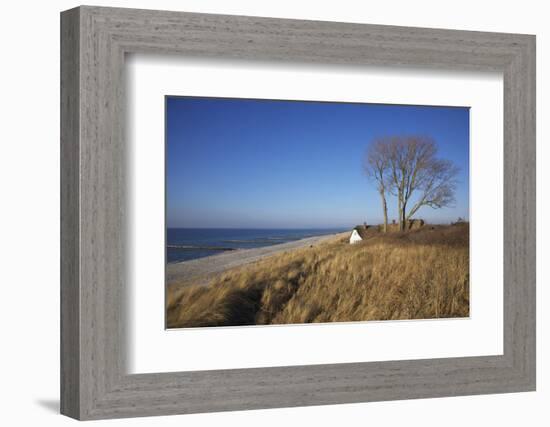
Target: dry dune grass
[{"x": 418, "y": 274}]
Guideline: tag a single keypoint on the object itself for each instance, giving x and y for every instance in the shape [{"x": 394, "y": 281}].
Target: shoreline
[
  {"x": 185, "y": 270},
  {"x": 417, "y": 274}
]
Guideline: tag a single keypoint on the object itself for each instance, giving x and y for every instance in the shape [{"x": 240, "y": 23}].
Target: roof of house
[{"x": 361, "y": 230}]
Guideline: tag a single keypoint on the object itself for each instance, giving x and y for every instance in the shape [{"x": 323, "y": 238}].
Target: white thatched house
[{"x": 358, "y": 234}]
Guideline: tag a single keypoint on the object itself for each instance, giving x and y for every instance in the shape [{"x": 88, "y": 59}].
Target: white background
[
  {"x": 152, "y": 349},
  {"x": 29, "y": 177}
]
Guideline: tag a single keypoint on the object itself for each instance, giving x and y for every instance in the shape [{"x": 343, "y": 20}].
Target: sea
[{"x": 183, "y": 244}]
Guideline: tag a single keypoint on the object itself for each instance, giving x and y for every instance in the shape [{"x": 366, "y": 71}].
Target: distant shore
[{"x": 185, "y": 270}]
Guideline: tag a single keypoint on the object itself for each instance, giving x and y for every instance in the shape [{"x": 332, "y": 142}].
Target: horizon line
[{"x": 299, "y": 228}]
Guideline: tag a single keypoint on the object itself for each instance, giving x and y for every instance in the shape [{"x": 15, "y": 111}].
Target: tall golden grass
[{"x": 419, "y": 274}]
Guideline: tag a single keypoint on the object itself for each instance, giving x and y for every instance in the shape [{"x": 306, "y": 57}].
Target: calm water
[{"x": 190, "y": 243}]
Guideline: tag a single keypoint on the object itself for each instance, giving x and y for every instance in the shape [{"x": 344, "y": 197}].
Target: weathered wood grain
[
  {"x": 70, "y": 220},
  {"x": 94, "y": 381}
]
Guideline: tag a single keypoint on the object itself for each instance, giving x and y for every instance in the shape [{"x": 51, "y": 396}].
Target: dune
[{"x": 418, "y": 274}]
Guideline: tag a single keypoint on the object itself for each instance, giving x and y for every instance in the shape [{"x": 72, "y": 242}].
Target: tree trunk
[
  {"x": 400, "y": 213},
  {"x": 403, "y": 217},
  {"x": 385, "y": 209}
]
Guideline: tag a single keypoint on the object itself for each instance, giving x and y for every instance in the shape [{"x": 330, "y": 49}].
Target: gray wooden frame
[{"x": 94, "y": 382}]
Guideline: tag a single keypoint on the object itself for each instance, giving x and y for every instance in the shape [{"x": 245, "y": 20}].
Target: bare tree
[
  {"x": 407, "y": 167},
  {"x": 415, "y": 170},
  {"x": 376, "y": 167}
]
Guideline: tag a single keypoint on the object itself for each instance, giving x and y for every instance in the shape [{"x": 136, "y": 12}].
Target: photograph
[{"x": 294, "y": 212}]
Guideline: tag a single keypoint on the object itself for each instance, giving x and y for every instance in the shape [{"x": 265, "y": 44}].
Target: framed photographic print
[{"x": 262, "y": 213}]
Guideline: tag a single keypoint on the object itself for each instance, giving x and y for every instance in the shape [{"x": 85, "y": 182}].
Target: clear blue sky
[{"x": 238, "y": 163}]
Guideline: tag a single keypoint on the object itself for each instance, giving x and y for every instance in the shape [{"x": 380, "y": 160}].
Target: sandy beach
[{"x": 183, "y": 271}]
